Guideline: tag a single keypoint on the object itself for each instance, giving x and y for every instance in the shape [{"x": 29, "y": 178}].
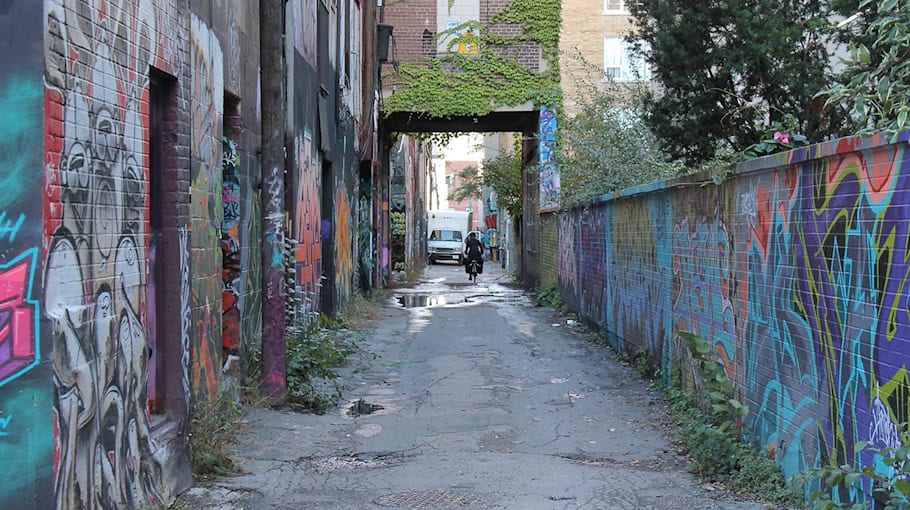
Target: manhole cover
[{"x": 431, "y": 500}]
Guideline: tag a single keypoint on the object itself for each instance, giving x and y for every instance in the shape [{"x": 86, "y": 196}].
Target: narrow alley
[{"x": 480, "y": 400}]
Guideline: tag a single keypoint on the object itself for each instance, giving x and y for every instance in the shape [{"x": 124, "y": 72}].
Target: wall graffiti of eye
[
  {"x": 134, "y": 182},
  {"x": 105, "y": 134},
  {"x": 74, "y": 167}
]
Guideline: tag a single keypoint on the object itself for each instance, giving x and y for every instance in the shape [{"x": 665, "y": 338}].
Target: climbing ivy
[{"x": 476, "y": 84}]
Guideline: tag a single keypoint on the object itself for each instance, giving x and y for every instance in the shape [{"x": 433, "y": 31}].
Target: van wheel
[{"x": 460, "y": 260}]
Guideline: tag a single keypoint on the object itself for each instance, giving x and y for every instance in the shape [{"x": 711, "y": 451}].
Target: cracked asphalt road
[{"x": 485, "y": 404}]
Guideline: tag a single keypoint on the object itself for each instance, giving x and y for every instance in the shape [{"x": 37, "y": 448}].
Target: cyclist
[{"x": 473, "y": 251}]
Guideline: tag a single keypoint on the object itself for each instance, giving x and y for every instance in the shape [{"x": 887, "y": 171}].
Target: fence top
[{"x": 796, "y": 156}]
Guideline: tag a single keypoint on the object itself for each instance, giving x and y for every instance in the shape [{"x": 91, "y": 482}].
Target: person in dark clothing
[{"x": 473, "y": 250}]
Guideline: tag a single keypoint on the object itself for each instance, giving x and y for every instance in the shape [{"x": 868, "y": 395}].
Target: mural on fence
[
  {"x": 206, "y": 211},
  {"x": 26, "y": 387},
  {"x": 783, "y": 400},
  {"x": 549, "y": 172},
  {"x": 703, "y": 281},
  {"x": 231, "y": 245},
  {"x": 796, "y": 275},
  {"x": 96, "y": 176},
  {"x": 591, "y": 257},
  {"x": 638, "y": 305},
  {"x": 307, "y": 225},
  {"x": 852, "y": 275}
]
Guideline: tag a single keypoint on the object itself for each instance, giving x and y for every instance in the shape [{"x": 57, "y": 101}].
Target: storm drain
[{"x": 432, "y": 500}]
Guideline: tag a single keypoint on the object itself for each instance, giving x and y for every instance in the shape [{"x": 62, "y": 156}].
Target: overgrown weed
[
  {"x": 550, "y": 297},
  {"x": 361, "y": 310},
  {"x": 212, "y": 428},
  {"x": 710, "y": 419},
  {"x": 885, "y": 485}
]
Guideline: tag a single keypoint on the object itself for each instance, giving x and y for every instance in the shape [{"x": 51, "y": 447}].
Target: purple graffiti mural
[
  {"x": 797, "y": 273},
  {"x": 19, "y": 350}
]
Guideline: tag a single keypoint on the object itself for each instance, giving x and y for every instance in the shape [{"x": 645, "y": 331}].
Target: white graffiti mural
[{"x": 97, "y": 249}]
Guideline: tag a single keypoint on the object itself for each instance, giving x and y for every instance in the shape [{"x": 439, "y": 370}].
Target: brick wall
[
  {"x": 584, "y": 27},
  {"x": 549, "y": 247},
  {"x": 527, "y": 53},
  {"x": 410, "y": 19},
  {"x": 795, "y": 271},
  {"x": 133, "y": 227}
]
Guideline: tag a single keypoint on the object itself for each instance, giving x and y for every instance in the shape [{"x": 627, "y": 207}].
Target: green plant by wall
[
  {"x": 711, "y": 419},
  {"x": 780, "y": 137},
  {"x": 834, "y": 486},
  {"x": 314, "y": 353},
  {"x": 211, "y": 429},
  {"x": 476, "y": 84},
  {"x": 549, "y": 297}
]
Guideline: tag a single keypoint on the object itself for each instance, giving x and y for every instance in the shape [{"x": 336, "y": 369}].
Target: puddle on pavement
[
  {"x": 360, "y": 407},
  {"x": 427, "y": 301},
  {"x": 509, "y": 299}
]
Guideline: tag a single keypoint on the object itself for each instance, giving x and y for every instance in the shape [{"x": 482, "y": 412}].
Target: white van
[{"x": 446, "y": 234}]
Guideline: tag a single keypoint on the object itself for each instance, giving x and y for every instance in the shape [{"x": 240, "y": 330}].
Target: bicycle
[{"x": 473, "y": 265}]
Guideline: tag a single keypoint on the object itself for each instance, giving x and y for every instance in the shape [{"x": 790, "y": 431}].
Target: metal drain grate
[{"x": 431, "y": 500}]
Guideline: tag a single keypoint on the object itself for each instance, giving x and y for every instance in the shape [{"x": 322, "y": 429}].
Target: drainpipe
[{"x": 274, "y": 327}]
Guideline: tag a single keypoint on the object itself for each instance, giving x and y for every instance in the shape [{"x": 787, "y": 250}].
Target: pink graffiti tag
[{"x": 18, "y": 318}]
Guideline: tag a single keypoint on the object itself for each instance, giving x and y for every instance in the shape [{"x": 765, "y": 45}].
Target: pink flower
[{"x": 783, "y": 138}]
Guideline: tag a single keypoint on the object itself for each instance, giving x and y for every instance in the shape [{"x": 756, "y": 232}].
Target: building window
[
  {"x": 616, "y": 6},
  {"x": 428, "y": 44},
  {"x": 620, "y": 64}
]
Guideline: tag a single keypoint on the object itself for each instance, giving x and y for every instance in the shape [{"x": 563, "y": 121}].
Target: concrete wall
[{"x": 795, "y": 270}]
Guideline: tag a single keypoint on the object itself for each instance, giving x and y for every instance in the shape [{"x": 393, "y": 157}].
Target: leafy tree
[
  {"x": 502, "y": 174},
  {"x": 470, "y": 181},
  {"x": 727, "y": 70},
  {"x": 876, "y": 80},
  {"x": 607, "y": 145}
]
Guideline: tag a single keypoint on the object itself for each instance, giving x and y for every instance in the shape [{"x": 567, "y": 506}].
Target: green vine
[{"x": 477, "y": 84}]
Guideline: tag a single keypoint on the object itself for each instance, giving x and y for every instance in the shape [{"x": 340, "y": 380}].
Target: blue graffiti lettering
[
  {"x": 4, "y": 425},
  {"x": 7, "y": 228}
]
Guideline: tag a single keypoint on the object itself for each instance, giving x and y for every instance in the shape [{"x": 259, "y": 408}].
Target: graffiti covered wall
[
  {"x": 26, "y": 388},
  {"x": 795, "y": 271},
  {"x": 307, "y": 164},
  {"x": 231, "y": 246},
  {"x": 97, "y": 239},
  {"x": 343, "y": 228},
  {"x": 549, "y": 172},
  {"x": 206, "y": 209}
]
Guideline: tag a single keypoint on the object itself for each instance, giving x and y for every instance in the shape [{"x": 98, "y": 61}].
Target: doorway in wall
[{"x": 162, "y": 249}]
